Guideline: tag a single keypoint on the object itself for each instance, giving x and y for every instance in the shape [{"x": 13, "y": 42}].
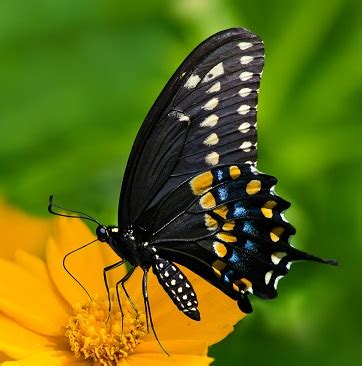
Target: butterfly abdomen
[{"x": 177, "y": 287}]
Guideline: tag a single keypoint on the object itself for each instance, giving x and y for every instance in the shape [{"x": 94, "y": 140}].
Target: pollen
[{"x": 95, "y": 336}]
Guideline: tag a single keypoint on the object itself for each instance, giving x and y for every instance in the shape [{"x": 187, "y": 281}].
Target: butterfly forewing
[{"x": 205, "y": 117}]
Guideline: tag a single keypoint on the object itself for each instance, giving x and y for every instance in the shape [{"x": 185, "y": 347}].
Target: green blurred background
[{"x": 77, "y": 78}]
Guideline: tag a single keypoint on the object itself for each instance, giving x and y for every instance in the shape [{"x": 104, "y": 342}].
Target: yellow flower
[{"x": 46, "y": 318}]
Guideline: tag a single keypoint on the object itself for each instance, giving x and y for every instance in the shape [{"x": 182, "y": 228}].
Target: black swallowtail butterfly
[{"x": 191, "y": 192}]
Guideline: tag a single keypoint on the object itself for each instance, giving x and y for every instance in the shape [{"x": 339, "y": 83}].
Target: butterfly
[{"x": 191, "y": 193}]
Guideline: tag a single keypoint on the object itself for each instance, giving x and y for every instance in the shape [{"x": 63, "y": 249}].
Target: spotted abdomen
[{"x": 177, "y": 286}]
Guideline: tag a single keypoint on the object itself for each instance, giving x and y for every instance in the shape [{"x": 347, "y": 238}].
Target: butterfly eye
[{"x": 102, "y": 233}]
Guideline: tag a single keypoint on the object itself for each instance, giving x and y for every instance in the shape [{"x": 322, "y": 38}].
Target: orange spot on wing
[
  {"x": 267, "y": 209},
  {"x": 207, "y": 201},
  {"x": 253, "y": 187},
  {"x": 222, "y": 211},
  {"x": 228, "y": 238},
  {"x": 276, "y": 233},
  {"x": 234, "y": 172},
  {"x": 228, "y": 226},
  {"x": 201, "y": 183}
]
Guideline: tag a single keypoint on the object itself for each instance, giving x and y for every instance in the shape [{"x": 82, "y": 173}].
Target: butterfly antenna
[
  {"x": 81, "y": 215},
  {"x": 66, "y": 269}
]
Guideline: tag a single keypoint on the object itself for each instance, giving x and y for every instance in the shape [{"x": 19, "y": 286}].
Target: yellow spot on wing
[
  {"x": 276, "y": 233},
  {"x": 234, "y": 172},
  {"x": 217, "y": 267},
  {"x": 245, "y": 282},
  {"x": 253, "y": 187},
  {"x": 220, "y": 249},
  {"x": 211, "y": 223},
  {"x": 201, "y": 183},
  {"x": 228, "y": 226},
  {"x": 267, "y": 209},
  {"x": 222, "y": 211},
  {"x": 235, "y": 287},
  {"x": 207, "y": 201},
  {"x": 228, "y": 238}
]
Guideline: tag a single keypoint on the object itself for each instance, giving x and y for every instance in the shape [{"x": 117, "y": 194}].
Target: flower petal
[
  {"x": 197, "y": 348},
  {"x": 86, "y": 265},
  {"x": 159, "y": 359},
  {"x": 33, "y": 264},
  {"x": 31, "y": 301},
  {"x": 4, "y": 357},
  {"x": 31, "y": 232},
  {"x": 218, "y": 312},
  {"x": 18, "y": 342},
  {"x": 51, "y": 358}
]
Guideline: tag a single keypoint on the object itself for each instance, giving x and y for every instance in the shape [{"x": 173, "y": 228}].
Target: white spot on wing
[
  {"x": 277, "y": 281},
  {"x": 210, "y": 121},
  {"x": 213, "y": 139},
  {"x": 244, "y": 127},
  {"x": 192, "y": 81},
  {"x": 183, "y": 117},
  {"x": 245, "y": 45},
  {"x": 212, "y": 158},
  {"x": 268, "y": 276},
  {"x": 244, "y": 92},
  {"x": 244, "y": 109},
  {"x": 180, "y": 116},
  {"x": 214, "y": 72},
  {"x": 246, "y": 75},
  {"x": 277, "y": 257},
  {"x": 246, "y": 146},
  {"x": 283, "y": 217},
  {"x": 244, "y": 60},
  {"x": 215, "y": 88},
  {"x": 211, "y": 104}
]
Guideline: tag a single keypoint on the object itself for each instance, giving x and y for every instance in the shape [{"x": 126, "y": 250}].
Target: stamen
[{"x": 92, "y": 337}]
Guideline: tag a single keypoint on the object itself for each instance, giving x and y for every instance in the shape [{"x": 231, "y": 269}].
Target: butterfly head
[
  {"x": 106, "y": 234},
  {"x": 103, "y": 233}
]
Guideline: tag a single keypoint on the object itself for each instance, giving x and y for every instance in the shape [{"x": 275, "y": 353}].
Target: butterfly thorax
[{"x": 127, "y": 244}]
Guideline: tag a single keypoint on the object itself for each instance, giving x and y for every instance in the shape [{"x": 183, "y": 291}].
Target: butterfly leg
[
  {"x": 121, "y": 282},
  {"x": 105, "y": 270},
  {"x": 148, "y": 308}
]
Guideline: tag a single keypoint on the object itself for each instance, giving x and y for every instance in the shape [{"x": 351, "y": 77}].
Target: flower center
[{"x": 91, "y": 335}]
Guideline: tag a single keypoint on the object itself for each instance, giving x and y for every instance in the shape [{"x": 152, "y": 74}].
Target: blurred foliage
[{"x": 77, "y": 78}]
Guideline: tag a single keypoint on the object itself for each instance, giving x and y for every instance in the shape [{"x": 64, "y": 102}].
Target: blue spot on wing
[
  {"x": 219, "y": 175},
  {"x": 234, "y": 258},
  {"x": 223, "y": 194},
  {"x": 249, "y": 228},
  {"x": 249, "y": 245},
  {"x": 239, "y": 210},
  {"x": 228, "y": 277}
]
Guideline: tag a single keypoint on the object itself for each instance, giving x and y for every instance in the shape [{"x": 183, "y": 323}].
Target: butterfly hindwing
[{"x": 231, "y": 231}]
